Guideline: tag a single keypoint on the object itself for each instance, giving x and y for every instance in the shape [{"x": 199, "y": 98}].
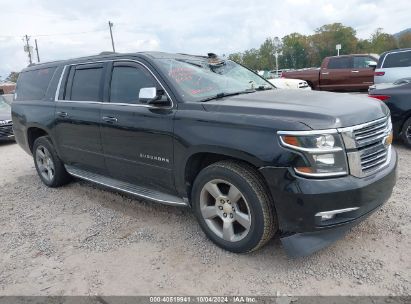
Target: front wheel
[
  {"x": 233, "y": 207},
  {"x": 406, "y": 133}
]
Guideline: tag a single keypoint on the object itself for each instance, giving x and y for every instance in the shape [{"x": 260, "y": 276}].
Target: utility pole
[
  {"x": 27, "y": 48},
  {"x": 37, "y": 50},
  {"x": 110, "y": 25}
]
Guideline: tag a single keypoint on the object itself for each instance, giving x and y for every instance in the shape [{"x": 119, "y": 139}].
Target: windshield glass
[
  {"x": 4, "y": 106},
  {"x": 202, "y": 79}
]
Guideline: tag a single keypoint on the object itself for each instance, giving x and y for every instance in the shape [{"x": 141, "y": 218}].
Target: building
[{"x": 7, "y": 87}]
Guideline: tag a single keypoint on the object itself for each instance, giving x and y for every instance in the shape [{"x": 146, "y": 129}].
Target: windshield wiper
[{"x": 223, "y": 94}]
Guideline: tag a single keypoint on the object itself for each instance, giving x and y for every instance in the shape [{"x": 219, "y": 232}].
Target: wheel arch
[
  {"x": 34, "y": 132},
  {"x": 201, "y": 158}
]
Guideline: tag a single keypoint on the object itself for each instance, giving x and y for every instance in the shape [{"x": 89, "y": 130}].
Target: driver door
[{"x": 137, "y": 138}]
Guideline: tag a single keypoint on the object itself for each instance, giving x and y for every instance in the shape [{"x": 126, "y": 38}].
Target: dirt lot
[{"x": 84, "y": 240}]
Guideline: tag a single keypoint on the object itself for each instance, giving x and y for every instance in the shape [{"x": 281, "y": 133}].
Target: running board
[{"x": 139, "y": 191}]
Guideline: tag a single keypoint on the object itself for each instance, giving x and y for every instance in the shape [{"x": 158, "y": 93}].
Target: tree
[
  {"x": 296, "y": 49},
  {"x": 237, "y": 57},
  {"x": 12, "y": 77},
  {"x": 251, "y": 59},
  {"x": 267, "y": 51},
  {"x": 328, "y": 36},
  {"x": 404, "y": 41},
  {"x": 381, "y": 42}
]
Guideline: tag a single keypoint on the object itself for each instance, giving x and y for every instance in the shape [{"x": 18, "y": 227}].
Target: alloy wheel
[
  {"x": 225, "y": 210},
  {"x": 408, "y": 133},
  {"x": 45, "y": 163}
]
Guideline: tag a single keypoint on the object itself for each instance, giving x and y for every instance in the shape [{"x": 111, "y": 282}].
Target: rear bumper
[{"x": 299, "y": 200}]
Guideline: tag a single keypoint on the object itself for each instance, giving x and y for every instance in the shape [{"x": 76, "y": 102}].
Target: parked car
[
  {"x": 8, "y": 98},
  {"x": 203, "y": 132},
  {"x": 6, "y": 125},
  {"x": 339, "y": 73},
  {"x": 285, "y": 83},
  {"x": 384, "y": 85},
  {"x": 398, "y": 98},
  {"x": 393, "y": 65}
]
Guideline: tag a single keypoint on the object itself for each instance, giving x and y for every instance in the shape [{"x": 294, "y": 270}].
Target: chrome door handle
[
  {"x": 110, "y": 119},
  {"x": 325, "y": 73},
  {"x": 355, "y": 71},
  {"x": 62, "y": 114}
]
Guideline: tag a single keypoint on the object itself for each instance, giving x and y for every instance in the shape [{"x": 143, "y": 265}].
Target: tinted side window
[
  {"x": 126, "y": 82},
  {"x": 362, "y": 62},
  {"x": 398, "y": 60},
  {"x": 339, "y": 63},
  {"x": 86, "y": 84},
  {"x": 32, "y": 85}
]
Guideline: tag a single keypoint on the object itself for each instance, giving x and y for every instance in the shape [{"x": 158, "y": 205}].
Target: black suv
[{"x": 205, "y": 132}]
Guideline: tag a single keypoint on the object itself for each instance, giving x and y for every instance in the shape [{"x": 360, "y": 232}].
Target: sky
[{"x": 72, "y": 28}]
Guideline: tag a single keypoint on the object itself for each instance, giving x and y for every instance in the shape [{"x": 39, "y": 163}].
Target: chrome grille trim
[{"x": 367, "y": 152}]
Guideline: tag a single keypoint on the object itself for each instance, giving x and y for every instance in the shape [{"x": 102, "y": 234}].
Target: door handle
[
  {"x": 62, "y": 114},
  {"x": 325, "y": 73},
  {"x": 110, "y": 119},
  {"x": 355, "y": 71}
]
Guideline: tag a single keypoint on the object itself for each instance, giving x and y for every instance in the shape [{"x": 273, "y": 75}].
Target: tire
[
  {"x": 49, "y": 166},
  {"x": 406, "y": 133},
  {"x": 233, "y": 207}
]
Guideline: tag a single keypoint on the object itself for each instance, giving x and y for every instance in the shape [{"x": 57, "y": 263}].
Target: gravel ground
[{"x": 84, "y": 240}]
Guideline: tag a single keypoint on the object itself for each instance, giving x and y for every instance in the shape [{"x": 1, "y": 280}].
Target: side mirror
[
  {"x": 372, "y": 64},
  {"x": 153, "y": 96}
]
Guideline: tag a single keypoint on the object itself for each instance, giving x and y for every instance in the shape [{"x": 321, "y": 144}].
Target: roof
[{"x": 111, "y": 55}]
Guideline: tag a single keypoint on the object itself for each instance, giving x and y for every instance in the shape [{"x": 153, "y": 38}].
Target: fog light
[{"x": 327, "y": 217}]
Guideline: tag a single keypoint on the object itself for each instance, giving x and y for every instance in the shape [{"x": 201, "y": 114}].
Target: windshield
[
  {"x": 3, "y": 105},
  {"x": 201, "y": 79}
]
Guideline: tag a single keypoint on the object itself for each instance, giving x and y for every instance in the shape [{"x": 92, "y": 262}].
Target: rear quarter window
[
  {"x": 32, "y": 85},
  {"x": 397, "y": 60}
]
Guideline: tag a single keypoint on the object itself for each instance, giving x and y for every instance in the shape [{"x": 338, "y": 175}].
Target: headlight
[{"x": 323, "y": 152}]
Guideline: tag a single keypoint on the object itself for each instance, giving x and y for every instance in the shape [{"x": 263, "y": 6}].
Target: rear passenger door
[
  {"x": 77, "y": 117},
  {"x": 137, "y": 138},
  {"x": 337, "y": 75}
]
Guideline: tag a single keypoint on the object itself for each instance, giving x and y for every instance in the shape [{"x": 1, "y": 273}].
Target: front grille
[
  {"x": 372, "y": 133},
  {"x": 6, "y": 131},
  {"x": 368, "y": 151}
]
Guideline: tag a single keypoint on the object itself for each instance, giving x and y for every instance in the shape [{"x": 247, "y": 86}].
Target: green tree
[
  {"x": 328, "y": 36},
  {"x": 404, "y": 41},
  {"x": 381, "y": 42},
  {"x": 251, "y": 59},
  {"x": 237, "y": 57},
  {"x": 12, "y": 77},
  {"x": 296, "y": 50}
]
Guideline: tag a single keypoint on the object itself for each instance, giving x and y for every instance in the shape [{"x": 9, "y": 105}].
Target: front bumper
[
  {"x": 298, "y": 200},
  {"x": 6, "y": 132}
]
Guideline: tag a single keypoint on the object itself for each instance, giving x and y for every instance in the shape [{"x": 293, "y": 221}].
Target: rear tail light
[
  {"x": 380, "y": 97},
  {"x": 379, "y": 73}
]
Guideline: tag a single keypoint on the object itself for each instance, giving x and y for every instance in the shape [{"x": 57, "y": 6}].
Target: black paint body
[{"x": 241, "y": 127}]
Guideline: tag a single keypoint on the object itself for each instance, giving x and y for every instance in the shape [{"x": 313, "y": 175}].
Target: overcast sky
[{"x": 72, "y": 28}]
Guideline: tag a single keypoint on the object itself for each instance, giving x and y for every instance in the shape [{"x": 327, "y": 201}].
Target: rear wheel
[
  {"x": 48, "y": 165},
  {"x": 233, "y": 207},
  {"x": 406, "y": 133}
]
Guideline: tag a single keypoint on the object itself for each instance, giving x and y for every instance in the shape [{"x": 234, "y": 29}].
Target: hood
[{"x": 318, "y": 110}]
